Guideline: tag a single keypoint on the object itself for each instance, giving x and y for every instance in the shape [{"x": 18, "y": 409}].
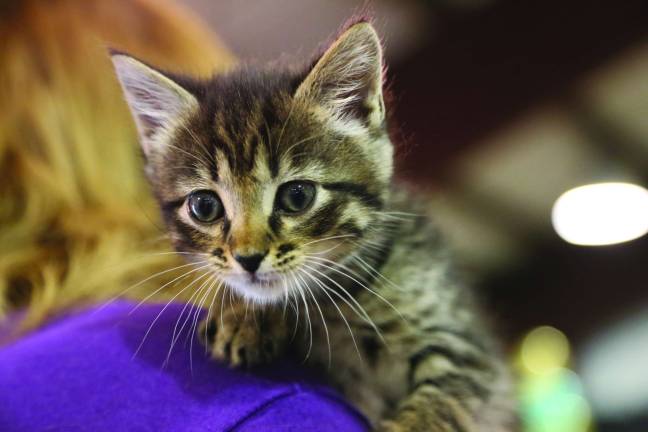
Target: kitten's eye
[
  {"x": 205, "y": 206},
  {"x": 295, "y": 196}
]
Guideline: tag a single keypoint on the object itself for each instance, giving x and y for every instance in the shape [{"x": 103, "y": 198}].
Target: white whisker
[
  {"x": 308, "y": 319},
  {"x": 326, "y": 290},
  {"x": 329, "y": 238},
  {"x": 364, "y": 314},
  {"x": 165, "y": 285},
  {"x": 328, "y": 339},
  {"x": 135, "y": 285},
  {"x": 383, "y": 299},
  {"x": 366, "y": 266},
  {"x": 176, "y": 334},
  {"x": 209, "y": 312},
  {"x": 157, "y": 317},
  {"x": 195, "y": 322}
]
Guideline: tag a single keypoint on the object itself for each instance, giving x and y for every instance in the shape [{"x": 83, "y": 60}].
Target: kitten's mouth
[
  {"x": 262, "y": 287},
  {"x": 263, "y": 279}
]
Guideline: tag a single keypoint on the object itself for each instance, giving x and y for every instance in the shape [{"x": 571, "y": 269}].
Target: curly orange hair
[{"x": 77, "y": 223}]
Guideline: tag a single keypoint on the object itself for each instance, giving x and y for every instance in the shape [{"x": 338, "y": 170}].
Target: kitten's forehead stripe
[{"x": 271, "y": 120}]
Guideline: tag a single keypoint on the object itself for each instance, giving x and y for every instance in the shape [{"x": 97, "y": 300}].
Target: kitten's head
[{"x": 273, "y": 176}]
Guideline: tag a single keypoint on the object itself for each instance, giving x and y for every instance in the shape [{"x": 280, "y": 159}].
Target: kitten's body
[
  {"x": 278, "y": 182},
  {"x": 434, "y": 340}
]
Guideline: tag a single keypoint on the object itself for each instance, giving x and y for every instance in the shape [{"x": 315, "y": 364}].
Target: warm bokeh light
[
  {"x": 601, "y": 214},
  {"x": 544, "y": 350}
]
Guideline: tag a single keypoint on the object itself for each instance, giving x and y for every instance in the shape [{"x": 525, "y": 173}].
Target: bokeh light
[
  {"x": 544, "y": 350},
  {"x": 554, "y": 403},
  {"x": 551, "y": 395},
  {"x": 601, "y": 214}
]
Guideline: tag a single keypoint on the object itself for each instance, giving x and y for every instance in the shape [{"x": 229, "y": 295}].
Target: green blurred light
[{"x": 551, "y": 396}]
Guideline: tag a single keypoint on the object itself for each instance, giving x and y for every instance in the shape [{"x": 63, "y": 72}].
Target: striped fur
[{"x": 367, "y": 285}]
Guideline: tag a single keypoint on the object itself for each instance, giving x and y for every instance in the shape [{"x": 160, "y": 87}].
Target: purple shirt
[{"x": 80, "y": 374}]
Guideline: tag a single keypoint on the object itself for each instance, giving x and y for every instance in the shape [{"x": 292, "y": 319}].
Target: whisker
[
  {"x": 400, "y": 213},
  {"x": 157, "y": 317},
  {"x": 364, "y": 314},
  {"x": 200, "y": 143},
  {"x": 383, "y": 299},
  {"x": 366, "y": 266},
  {"x": 178, "y": 253},
  {"x": 296, "y": 305},
  {"x": 328, "y": 339},
  {"x": 195, "y": 321},
  {"x": 308, "y": 319},
  {"x": 187, "y": 304},
  {"x": 337, "y": 245},
  {"x": 326, "y": 290},
  {"x": 221, "y": 305},
  {"x": 312, "y": 137},
  {"x": 247, "y": 304},
  {"x": 285, "y": 296},
  {"x": 329, "y": 238},
  {"x": 165, "y": 285},
  {"x": 203, "y": 162},
  {"x": 368, "y": 248},
  {"x": 283, "y": 127},
  {"x": 113, "y": 299},
  {"x": 209, "y": 312}
]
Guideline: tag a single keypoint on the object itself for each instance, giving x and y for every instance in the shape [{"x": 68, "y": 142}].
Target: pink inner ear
[
  {"x": 155, "y": 99},
  {"x": 148, "y": 125}
]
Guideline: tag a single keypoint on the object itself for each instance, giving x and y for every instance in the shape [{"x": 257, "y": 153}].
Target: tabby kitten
[{"x": 280, "y": 180}]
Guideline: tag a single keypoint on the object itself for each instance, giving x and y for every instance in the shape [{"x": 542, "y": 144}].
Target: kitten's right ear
[{"x": 157, "y": 103}]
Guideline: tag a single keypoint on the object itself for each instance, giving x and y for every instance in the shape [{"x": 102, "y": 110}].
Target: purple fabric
[{"x": 80, "y": 374}]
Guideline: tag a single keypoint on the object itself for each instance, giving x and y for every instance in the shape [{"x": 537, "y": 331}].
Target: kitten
[{"x": 281, "y": 179}]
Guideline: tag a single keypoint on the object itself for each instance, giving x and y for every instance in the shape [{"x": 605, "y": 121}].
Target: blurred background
[
  {"x": 527, "y": 123},
  {"x": 503, "y": 106}
]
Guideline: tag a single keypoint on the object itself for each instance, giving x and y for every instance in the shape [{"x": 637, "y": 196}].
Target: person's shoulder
[{"x": 305, "y": 407}]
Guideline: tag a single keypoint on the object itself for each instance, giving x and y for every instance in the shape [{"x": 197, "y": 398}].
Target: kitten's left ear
[
  {"x": 348, "y": 77},
  {"x": 157, "y": 103}
]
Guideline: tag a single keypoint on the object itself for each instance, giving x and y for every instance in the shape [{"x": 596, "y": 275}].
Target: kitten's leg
[
  {"x": 244, "y": 337},
  {"x": 429, "y": 410},
  {"x": 455, "y": 385}
]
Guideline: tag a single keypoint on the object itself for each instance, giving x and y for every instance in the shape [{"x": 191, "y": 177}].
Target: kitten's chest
[{"x": 369, "y": 371}]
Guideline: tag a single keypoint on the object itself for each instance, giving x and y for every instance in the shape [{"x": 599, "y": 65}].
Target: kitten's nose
[{"x": 250, "y": 262}]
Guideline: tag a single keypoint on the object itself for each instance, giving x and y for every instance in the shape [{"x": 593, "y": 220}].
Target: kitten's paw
[
  {"x": 389, "y": 426},
  {"x": 244, "y": 340},
  {"x": 397, "y": 426}
]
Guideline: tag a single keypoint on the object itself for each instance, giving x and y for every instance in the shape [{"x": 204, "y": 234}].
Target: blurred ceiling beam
[
  {"x": 619, "y": 147},
  {"x": 483, "y": 68}
]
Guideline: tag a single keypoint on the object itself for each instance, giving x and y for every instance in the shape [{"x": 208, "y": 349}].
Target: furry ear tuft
[
  {"x": 157, "y": 103},
  {"x": 348, "y": 77}
]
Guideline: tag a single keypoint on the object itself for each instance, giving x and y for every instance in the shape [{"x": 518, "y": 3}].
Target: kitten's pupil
[
  {"x": 205, "y": 206},
  {"x": 295, "y": 196}
]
